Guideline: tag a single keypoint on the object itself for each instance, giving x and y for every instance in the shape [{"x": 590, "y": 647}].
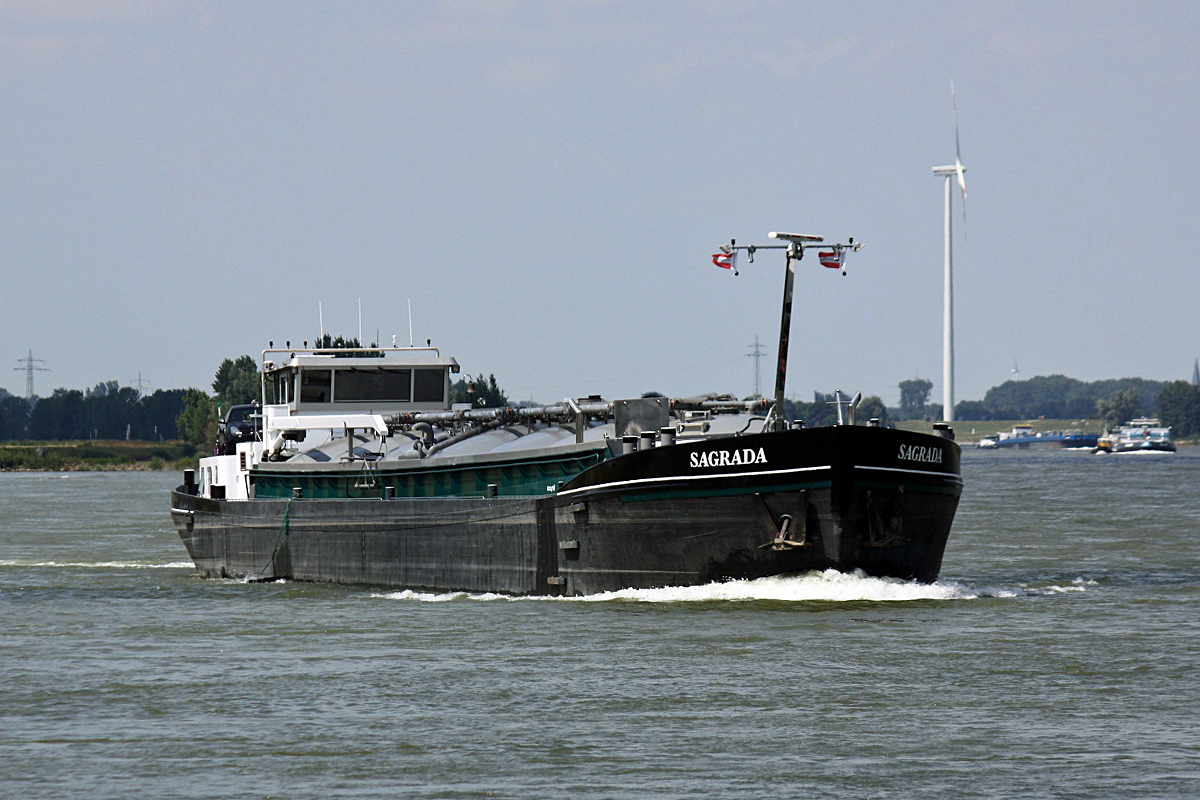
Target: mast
[
  {"x": 794, "y": 254},
  {"x": 796, "y": 244}
]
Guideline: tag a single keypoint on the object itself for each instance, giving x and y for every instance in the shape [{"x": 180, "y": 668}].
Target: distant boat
[
  {"x": 1023, "y": 436},
  {"x": 1080, "y": 440},
  {"x": 1142, "y": 435}
]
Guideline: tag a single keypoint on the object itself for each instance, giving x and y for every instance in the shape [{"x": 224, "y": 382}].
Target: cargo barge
[{"x": 357, "y": 469}]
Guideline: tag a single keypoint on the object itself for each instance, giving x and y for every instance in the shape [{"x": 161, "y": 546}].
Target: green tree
[
  {"x": 158, "y": 413},
  {"x": 479, "y": 392},
  {"x": 59, "y": 416},
  {"x": 237, "y": 382},
  {"x": 1146, "y": 390},
  {"x": 914, "y": 395},
  {"x": 103, "y": 389},
  {"x": 819, "y": 413},
  {"x": 1120, "y": 407},
  {"x": 872, "y": 408},
  {"x": 1057, "y": 396},
  {"x": 14, "y": 416},
  {"x": 971, "y": 410},
  {"x": 328, "y": 342},
  {"x": 197, "y": 422},
  {"x": 1053, "y": 396},
  {"x": 1179, "y": 407}
]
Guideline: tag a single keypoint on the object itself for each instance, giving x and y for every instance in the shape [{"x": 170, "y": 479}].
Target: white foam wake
[
  {"x": 827, "y": 586},
  {"x": 1077, "y": 585},
  {"x": 96, "y": 564}
]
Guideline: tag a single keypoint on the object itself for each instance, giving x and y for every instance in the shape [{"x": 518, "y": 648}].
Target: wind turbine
[{"x": 955, "y": 170}]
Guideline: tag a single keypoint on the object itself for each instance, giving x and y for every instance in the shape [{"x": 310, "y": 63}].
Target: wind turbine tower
[{"x": 954, "y": 170}]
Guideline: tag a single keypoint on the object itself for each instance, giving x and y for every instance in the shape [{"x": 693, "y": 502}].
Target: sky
[{"x": 546, "y": 182}]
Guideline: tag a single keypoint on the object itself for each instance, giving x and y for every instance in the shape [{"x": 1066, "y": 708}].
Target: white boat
[{"x": 1142, "y": 435}]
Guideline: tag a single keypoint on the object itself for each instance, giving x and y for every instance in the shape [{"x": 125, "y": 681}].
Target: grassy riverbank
[
  {"x": 96, "y": 455},
  {"x": 971, "y": 431}
]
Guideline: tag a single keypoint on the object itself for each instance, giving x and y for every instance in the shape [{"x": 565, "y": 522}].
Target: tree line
[
  {"x": 1111, "y": 402},
  {"x": 110, "y": 411},
  {"x": 106, "y": 411},
  {"x": 823, "y": 410}
]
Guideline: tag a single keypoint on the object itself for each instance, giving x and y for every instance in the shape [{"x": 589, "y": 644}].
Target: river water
[{"x": 1056, "y": 658}]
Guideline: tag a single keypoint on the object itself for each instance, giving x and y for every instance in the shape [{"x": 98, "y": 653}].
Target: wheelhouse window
[
  {"x": 279, "y": 386},
  {"x": 429, "y": 385},
  {"x": 363, "y": 385},
  {"x": 316, "y": 385}
]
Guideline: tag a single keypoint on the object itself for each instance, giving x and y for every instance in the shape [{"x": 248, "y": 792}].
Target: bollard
[{"x": 944, "y": 430}]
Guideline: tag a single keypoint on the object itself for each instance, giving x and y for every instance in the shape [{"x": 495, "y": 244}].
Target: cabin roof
[{"x": 277, "y": 359}]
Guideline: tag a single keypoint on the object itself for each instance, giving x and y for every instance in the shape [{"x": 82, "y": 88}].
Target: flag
[
  {"x": 834, "y": 259},
  {"x": 726, "y": 261}
]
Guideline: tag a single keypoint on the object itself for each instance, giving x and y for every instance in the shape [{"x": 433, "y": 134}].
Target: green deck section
[{"x": 515, "y": 477}]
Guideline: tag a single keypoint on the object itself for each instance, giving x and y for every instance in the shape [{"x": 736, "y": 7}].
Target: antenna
[
  {"x": 757, "y": 352},
  {"x": 360, "y": 339},
  {"x": 321, "y": 318},
  {"x": 28, "y": 369},
  {"x": 410, "y": 336},
  {"x": 1016, "y": 372},
  {"x": 956, "y": 170}
]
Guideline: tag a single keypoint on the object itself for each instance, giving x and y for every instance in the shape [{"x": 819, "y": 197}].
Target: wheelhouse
[{"x": 376, "y": 380}]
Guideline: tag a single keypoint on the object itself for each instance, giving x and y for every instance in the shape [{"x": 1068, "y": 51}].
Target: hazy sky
[{"x": 181, "y": 182}]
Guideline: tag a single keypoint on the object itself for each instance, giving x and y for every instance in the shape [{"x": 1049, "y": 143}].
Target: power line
[
  {"x": 141, "y": 385},
  {"x": 757, "y": 352},
  {"x": 28, "y": 369}
]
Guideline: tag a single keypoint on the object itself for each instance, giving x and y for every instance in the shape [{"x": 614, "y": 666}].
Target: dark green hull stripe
[{"x": 755, "y": 489}]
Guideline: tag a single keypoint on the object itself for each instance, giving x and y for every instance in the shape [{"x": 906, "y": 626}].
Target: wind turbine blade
[
  {"x": 958, "y": 167},
  {"x": 954, "y": 105}
]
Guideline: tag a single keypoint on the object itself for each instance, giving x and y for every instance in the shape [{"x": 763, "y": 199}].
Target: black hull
[{"x": 844, "y": 498}]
